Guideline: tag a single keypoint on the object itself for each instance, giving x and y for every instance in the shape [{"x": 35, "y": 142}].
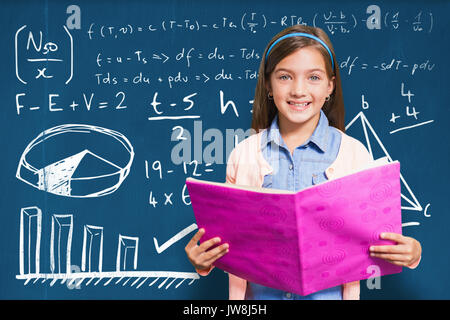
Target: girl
[{"x": 298, "y": 114}]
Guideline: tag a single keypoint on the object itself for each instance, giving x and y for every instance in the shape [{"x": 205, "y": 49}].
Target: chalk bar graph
[{"x": 62, "y": 225}]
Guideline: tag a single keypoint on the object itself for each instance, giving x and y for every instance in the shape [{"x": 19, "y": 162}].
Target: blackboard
[{"x": 107, "y": 107}]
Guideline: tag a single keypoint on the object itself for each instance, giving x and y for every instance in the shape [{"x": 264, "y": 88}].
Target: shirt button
[
  {"x": 288, "y": 295},
  {"x": 290, "y": 167}
]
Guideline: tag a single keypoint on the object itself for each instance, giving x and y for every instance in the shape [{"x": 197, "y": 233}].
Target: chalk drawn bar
[
  {"x": 61, "y": 243},
  {"x": 30, "y": 240},
  {"x": 126, "y": 247},
  {"x": 92, "y": 253}
]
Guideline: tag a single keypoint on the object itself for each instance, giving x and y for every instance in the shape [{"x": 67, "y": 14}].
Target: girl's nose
[{"x": 298, "y": 88}]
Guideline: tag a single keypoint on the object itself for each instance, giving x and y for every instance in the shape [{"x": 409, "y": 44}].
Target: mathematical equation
[
  {"x": 42, "y": 61},
  {"x": 410, "y": 113},
  {"x": 184, "y": 54},
  {"x": 348, "y": 66},
  {"x": 154, "y": 170},
  {"x": 92, "y": 102},
  {"x": 252, "y": 22}
]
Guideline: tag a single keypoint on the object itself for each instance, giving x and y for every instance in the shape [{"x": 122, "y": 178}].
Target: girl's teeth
[{"x": 300, "y": 105}]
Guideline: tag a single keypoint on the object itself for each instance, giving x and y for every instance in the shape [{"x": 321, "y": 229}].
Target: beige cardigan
[{"x": 246, "y": 166}]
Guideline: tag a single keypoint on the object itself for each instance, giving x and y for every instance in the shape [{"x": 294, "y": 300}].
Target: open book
[{"x": 303, "y": 241}]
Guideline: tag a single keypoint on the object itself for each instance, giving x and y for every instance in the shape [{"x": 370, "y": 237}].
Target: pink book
[{"x": 304, "y": 241}]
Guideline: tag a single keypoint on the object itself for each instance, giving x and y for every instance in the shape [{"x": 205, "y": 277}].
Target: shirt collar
[{"x": 319, "y": 136}]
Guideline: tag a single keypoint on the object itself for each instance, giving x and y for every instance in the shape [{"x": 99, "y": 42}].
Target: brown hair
[{"x": 264, "y": 110}]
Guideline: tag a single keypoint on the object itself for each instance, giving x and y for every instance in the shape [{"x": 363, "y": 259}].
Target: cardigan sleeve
[{"x": 231, "y": 167}]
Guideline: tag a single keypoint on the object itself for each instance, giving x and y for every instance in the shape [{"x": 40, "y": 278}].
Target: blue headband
[{"x": 302, "y": 35}]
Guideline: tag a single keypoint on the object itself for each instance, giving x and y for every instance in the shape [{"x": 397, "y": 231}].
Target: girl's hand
[
  {"x": 405, "y": 253},
  {"x": 199, "y": 256}
]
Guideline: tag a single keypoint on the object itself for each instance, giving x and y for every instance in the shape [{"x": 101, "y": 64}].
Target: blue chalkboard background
[{"x": 178, "y": 77}]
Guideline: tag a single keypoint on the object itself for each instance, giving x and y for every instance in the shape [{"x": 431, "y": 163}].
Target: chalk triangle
[{"x": 373, "y": 143}]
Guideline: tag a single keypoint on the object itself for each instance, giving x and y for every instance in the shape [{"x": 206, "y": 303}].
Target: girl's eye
[
  {"x": 315, "y": 78},
  {"x": 284, "y": 77}
]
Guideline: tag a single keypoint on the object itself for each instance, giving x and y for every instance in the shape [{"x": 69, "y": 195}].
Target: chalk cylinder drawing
[{"x": 76, "y": 160}]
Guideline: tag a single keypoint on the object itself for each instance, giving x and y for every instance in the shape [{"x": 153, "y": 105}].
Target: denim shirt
[{"x": 304, "y": 168}]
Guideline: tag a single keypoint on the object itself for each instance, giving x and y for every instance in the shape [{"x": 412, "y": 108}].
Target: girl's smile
[{"x": 299, "y": 106}]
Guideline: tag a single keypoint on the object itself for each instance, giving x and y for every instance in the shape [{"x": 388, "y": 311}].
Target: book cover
[{"x": 304, "y": 241}]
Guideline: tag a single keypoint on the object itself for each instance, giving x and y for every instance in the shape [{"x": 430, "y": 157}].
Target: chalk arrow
[{"x": 174, "y": 239}]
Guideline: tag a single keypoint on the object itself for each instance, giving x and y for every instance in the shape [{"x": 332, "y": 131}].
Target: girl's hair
[{"x": 264, "y": 110}]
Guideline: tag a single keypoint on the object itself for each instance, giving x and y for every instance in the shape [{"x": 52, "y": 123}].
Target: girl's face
[{"x": 299, "y": 85}]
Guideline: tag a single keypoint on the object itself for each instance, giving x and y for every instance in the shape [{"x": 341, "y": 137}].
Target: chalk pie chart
[{"x": 76, "y": 160}]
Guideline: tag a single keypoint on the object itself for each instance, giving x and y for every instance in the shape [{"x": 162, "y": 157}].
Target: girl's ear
[
  {"x": 331, "y": 85},
  {"x": 268, "y": 86}
]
